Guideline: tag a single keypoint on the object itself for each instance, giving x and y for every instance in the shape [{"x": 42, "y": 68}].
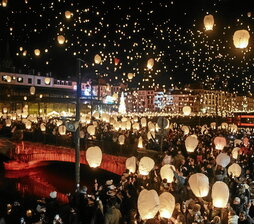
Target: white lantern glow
[
  {"x": 62, "y": 130},
  {"x": 47, "y": 80},
  {"x": 234, "y": 170},
  {"x": 94, "y": 156},
  {"x": 185, "y": 130},
  {"x": 130, "y": 164},
  {"x": 166, "y": 172},
  {"x": 150, "y": 63},
  {"x": 148, "y": 204},
  {"x": 209, "y": 22},
  {"x": 121, "y": 139},
  {"x": 8, "y": 122},
  {"x": 223, "y": 159},
  {"x": 140, "y": 142},
  {"x": 97, "y": 59},
  {"x": 143, "y": 122},
  {"x": 91, "y": 130},
  {"x": 37, "y": 52},
  {"x": 167, "y": 205},
  {"x": 199, "y": 184},
  {"x": 191, "y": 143},
  {"x": 61, "y": 39},
  {"x": 241, "y": 38},
  {"x": 32, "y": 90},
  {"x": 220, "y": 194},
  {"x": 28, "y": 124},
  {"x": 220, "y": 142},
  {"x": 186, "y": 110},
  {"x": 67, "y": 14},
  {"x": 43, "y": 127},
  {"x": 146, "y": 164},
  {"x": 235, "y": 152},
  {"x": 5, "y": 110}
]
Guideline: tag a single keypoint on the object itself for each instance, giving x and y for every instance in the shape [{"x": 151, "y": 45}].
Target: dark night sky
[{"x": 171, "y": 32}]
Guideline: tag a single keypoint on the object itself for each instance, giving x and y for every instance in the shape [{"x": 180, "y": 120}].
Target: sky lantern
[
  {"x": 166, "y": 172},
  {"x": 213, "y": 125},
  {"x": 68, "y": 14},
  {"x": 150, "y": 135},
  {"x": 199, "y": 184},
  {"x": 191, "y": 143},
  {"x": 220, "y": 194},
  {"x": 121, "y": 139},
  {"x": 43, "y": 127},
  {"x": 235, "y": 152},
  {"x": 4, "y": 3},
  {"x": 91, "y": 130},
  {"x": 32, "y": 90},
  {"x": 241, "y": 38},
  {"x": 116, "y": 61},
  {"x": 47, "y": 80},
  {"x": 5, "y": 110},
  {"x": 234, "y": 170},
  {"x": 223, "y": 159},
  {"x": 8, "y": 78},
  {"x": 28, "y": 124},
  {"x": 151, "y": 126},
  {"x": 97, "y": 59},
  {"x": 8, "y": 122},
  {"x": 220, "y": 142},
  {"x": 185, "y": 130},
  {"x": 61, "y": 39},
  {"x": 62, "y": 130},
  {"x": 150, "y": 63},
  {"x": 224, "y": 125},
  {"x": 249, "y": 14},
  {"x": 130, "y": 76},
  {"x": 143, "y": 122},
  {"x": 148, "y": 204},
  {"x": 167, "y": 205},
  {"x": 131, "y": 164},
  {"x": 37, "y": 52},
  {"x": 94, "y": 156},
  {"x": 186, "y": 110},
  {"x": 209, "y": 22},
  {"x": 146, "y": 164},
  {"x": 140, "y": 142}
]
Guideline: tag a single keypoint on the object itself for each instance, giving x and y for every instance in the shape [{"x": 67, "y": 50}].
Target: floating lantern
[
  {"x": 150, "y": 63},
  {"x": 148, "y": 204},
  {"x": 136, "y": 126},
  {"x": 186, "y": 110},
  {"x": 121, "y": 139},
  {"x": 91, "y": 130},
  {"x": 4, "y": 3},
  {"x": 37, "y": 52},
  {"x": 224, "y": 125},
  {"x": 167, "y": 205},
  {"x": 220, "y": 194},
  {"x": 209, "y": 22},
  {"x": 151, "y": 126},
  {"x": 62, "y": 130},
  {"x": 32, "y": 90},
  {"x": 241, "y": 38},
  {"x": 94, "y": 156},
  {"x": 166, "y": 172},
  {"x": 8, "y": 122},
  {"x": 223, "y": 159},
  {"x": 146, "y": 164},
  {"x": 130, "y": 164},
  {"x": 185, "y": 130},
  {"x": 130, "y": 76},
  {"x": 151, "y": 135},
  {"x": 140, "y": 142},
  {"x": 143, "y": 122},
  {"x": 47, "y": 80},
  {"x": 234, "y": 170},
  {"x": 97, "y": 59},
  {"x": 61, "y": 39},
  {"x": 96, "y": 115},
  {"x": 59, "y": 122},
  {"x": 28, "y": 124},
  {"x": 8, "y": 78},
  {"x": 43, "y": 127},
  {"x": 191, "y": 143},
  {"x": 213, "y": 125},
  {"x": 5, "y": 110},
  {"x": 68, "y": 14},
  {"x": 235, "y": 152},
  {"x": 199, "y": 184},
  {"x": 220, "y": 143}
]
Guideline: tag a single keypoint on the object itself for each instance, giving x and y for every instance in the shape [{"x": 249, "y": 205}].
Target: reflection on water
[{"x": 39, "y": 182}]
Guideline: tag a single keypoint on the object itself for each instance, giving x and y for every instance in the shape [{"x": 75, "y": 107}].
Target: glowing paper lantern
[
  {"x": 151, "y": 135},
  {"x": 150, "y": 63},
  {"x": 59, "y": 122},
  {"x": 28, "y": 124},
  {"x": 67, "y": 14},
  {"x": 186, "y": 110},
  {"x": 235, "y": 152},
  {"x": 140, "y": 142},
  {"x": 96, "y": 115},
  {"x": 166, "y": 172},
  {"x": 32, "y": 90},
  {"x": 8, "y": 122},
  {"x": 61, "y": 39},
  {"x": 146, "y": 164},
  {"x": 151, "y": 126},
  {"x": 241, "y": 38},
  {"x": 4, "y": 3},
  {"x": 5, "y": 110},
  {"x": 220, "y": 194},
  {"x": 121, "y": 139},
  {"x": 143, "y": 122},
  {"x": 223, "y": 159},
  {"x": 43, "y": 127},
  {"x": 167, "y": 205},
  {"x": 185, "y": 130},
  {"x": 130, "y": 164},
  {"x": 94, "y": 156},
  {"x": 130, "y": 76},
  {"x": 234, "y": 170},
  {"x": 97, "y": 59},
  {"x": 8, "y": 78},
  {"x": 148, "y": 204},
  {"x": 62, "y": 130},
  {"x": 91, "y": 130},
  {"x": 47, "y": 80},
  {"x": 191, "y": 143},
  {"x": 136, "y": 126},
  {"x": 209, "y": 22},
  {"x": 224, "y": 125},
  {"x": 199, "y": 184},
  {"x": 213, "y": 125},
  {"x": 37, "y": 52},
  {"x": 220, "y": 143}
]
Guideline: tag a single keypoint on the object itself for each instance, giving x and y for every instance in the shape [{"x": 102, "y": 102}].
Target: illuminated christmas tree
[{"x": 122, "y": 106}]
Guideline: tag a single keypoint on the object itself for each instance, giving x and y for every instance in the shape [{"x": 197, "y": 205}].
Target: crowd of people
[{"x": 116, "y": 202}]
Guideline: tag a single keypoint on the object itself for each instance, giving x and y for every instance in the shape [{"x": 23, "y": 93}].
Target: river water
[{"x": 29, "y": 185}]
